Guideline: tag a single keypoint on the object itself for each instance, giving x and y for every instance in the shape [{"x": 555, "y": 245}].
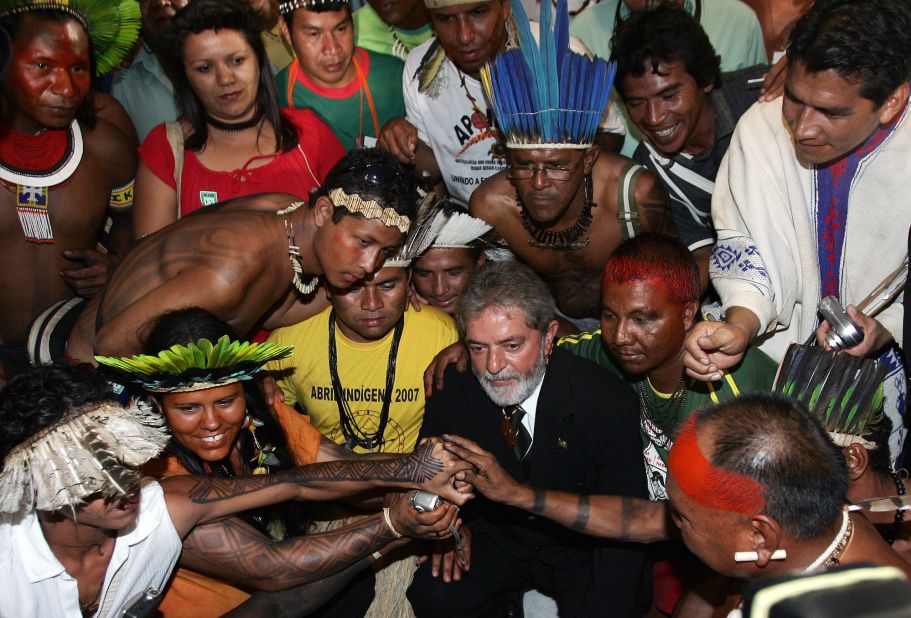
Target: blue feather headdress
[{"x": 546, "y": 95}]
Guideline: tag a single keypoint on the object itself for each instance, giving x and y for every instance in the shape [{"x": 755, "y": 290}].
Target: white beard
[{"x": 523, "y": 386}]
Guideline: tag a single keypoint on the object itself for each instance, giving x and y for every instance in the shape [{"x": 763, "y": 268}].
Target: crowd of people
[{"x": 574, "y": 275}]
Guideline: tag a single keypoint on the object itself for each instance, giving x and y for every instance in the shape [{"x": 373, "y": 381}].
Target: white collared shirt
[
  {"x": 530, "y": 405},
  {"x": 35, "y": 584}
]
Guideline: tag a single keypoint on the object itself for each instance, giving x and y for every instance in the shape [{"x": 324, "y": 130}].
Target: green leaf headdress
[
  {"x": 197, "y": 365},
  {"x": 113, "y": 25},
  {"x": 844, "y": 393}
]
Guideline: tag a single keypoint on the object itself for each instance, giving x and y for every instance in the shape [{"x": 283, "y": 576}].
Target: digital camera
[
  {"x": 424, "y": 501},
  {"x": 843, "y": 332}
]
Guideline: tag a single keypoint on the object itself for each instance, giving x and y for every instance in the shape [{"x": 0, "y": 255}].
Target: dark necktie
[{"x": 516, "y": 434}]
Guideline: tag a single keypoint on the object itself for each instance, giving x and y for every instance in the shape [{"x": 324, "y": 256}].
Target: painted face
[
  {"x": 223, "y": 71},
  {"x": 827, "y": 116},
  {"x": 352, "y": 248},
  {"x": 441, "y": 275},
  {"x": 369, "y": 309},
  {"x": 546, "y": 199},
  {"x": 324, "y": 45},
  {"x": 670, "y": 109},
  {"x": 49, "y": 74},
  {"x": 643, "y": 328},
  {"x": 507, "y": 356},
  {"x": 157, "y": 14},
  {"x": 99, "y": 513},
  {"x": 207, "y": 422},
  {"x": 712, "y": 534},
  {"x": 394, "y": 12},
  {"x": 471, "y": 34}
]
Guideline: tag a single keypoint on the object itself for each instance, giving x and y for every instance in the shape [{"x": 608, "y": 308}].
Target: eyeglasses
[{"x": 524, "y": 172}]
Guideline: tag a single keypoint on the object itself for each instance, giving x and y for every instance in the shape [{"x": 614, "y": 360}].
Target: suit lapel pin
[{"x": 562, "y": 443}]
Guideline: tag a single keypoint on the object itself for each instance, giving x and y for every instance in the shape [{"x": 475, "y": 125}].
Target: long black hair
[
  {"x": 190, "y": 325},
  {"x": 200, "y": 16}
]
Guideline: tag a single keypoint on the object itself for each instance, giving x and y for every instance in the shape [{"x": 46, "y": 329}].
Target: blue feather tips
[{"x": 544, "y": 94}]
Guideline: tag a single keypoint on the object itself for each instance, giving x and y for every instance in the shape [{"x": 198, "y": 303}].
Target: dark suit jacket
[{"x": 586, "y": 441}]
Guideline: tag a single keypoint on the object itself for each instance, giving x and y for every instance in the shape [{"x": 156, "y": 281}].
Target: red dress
[{"x": 296, "y": 172}]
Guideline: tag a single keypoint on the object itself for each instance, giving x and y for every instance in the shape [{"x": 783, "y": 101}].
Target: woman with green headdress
[{"x": 220, "y": 426}]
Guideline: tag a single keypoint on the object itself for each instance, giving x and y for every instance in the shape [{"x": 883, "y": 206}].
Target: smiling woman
[
  {"x": 232, "y": 140},
  {"x": 219, "y": 427}
]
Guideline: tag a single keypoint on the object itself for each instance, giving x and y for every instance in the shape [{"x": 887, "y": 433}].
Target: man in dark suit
[{"x": 553, "y": 421}]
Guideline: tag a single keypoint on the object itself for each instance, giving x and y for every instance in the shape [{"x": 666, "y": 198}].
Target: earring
[{"x": 752, "y": 556}]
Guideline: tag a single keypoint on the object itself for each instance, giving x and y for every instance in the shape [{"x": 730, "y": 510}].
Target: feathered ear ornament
[
  {"x": 429, "y": 68},
  {"x": 430, "y": 219},
  {"x": 92, "y": 451},
  {"x": 461, "y": 230},
  {"x": 844, "y": 393}
]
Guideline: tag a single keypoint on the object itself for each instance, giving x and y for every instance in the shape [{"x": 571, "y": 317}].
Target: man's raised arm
[{"x": 618, "y": 518}]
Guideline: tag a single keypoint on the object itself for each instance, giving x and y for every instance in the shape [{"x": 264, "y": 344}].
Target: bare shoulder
[
  {"x": 494, "y": 199},
  {"x": 111, "y": 148},
  {"x": 611, "y": 164},
  {"x": 652, "y": 204},
  {"x": 109, "y": 109},
  {"x": 606, "y": 173},
  {"x": 261, "y": 202}
]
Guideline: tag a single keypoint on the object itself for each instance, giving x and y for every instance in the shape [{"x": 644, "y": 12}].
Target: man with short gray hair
[{"x": 553, "y": 421}]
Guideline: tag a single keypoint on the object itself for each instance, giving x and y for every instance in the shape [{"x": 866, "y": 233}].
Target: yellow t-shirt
[{"x": 304, "y": 377}]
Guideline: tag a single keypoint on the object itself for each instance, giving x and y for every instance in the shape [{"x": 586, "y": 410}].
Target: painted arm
[
  {"x": 618, "y": 518},
  {"x": 194, "y": 500},
  {"x": 232, "y": 550}
]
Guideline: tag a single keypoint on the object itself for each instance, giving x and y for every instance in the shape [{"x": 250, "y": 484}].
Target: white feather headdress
[
  {"x": 94, "y": 450},
  {"x": 460, "y": 232},
  {"x": 429, "y": 220}
]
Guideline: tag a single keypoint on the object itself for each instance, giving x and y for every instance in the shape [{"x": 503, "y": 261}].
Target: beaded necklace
[
  {"x": 24, "y": 166},
  {"x": 564, "y": 239},
  {"x": 899, "y": 521},
  {"x": 354, "y": 435},
  {"x": 650, "y": 414},
  {"x": 294, "y": 255}
]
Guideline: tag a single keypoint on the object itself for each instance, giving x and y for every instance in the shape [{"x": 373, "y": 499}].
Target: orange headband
[{"x": 707, "y": 484}]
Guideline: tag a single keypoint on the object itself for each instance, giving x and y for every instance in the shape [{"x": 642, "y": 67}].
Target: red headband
[{"x": 707, "y": 484}]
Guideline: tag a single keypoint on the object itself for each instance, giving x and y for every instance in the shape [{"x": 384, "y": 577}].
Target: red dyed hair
[
  {"x": 659, "y": 258},
  {"x": 708, "y": 484}
]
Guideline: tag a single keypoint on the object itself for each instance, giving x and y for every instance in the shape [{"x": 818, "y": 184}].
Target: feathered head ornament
[
  {"x": 287, "y": 7},
  {"x": 460, "y": 231},
  {"x": 113, "y": 25},
  {"x": 545, "y": 95},
  {"x": 94, "y": 450},
  {"x": 844, "y": 393},
  {"x": 429, "y": 220},
  {"x": 197, "y": 365}
]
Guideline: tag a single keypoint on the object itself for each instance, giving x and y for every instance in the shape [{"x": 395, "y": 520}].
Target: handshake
[
  {"x": 450, "y": 469},
  {"x": 466, "y": 467}
]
